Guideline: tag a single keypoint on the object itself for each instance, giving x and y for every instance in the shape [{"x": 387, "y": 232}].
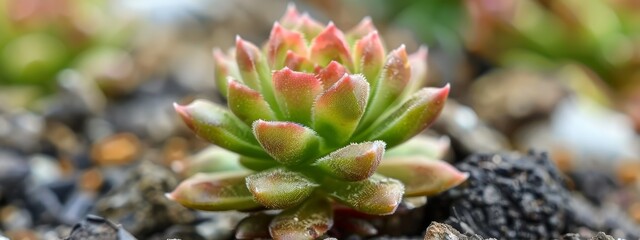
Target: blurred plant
[
  {"x": 39, "y": 38},
  {"x": 601, "y": 34},
  {"x": 310, "y": 116}
]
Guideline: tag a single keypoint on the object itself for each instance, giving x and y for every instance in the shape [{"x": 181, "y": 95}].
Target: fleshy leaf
[
  {"x": 223, "y": 68},
  {"x": 282, "y": 40},
  {"x": 355, "y": 162},
  {"x": 337, "y": 112},
  {"x": 419, "y": 70},
  {"x": 377, "y": 195},
  {"x": 248, "y": 104},
  {"x": 296, "y": 62},
  {"x": 308, "y": 26},
  {"x": 257, "y": 164},
  {"x": 248, "y": 58},
  {"x": 220, "y": 127},
  {"x": 330, "y": 74},
  {"x": 295, "y": 93},
  {"x": 287, "y": 142},
  {"x": 280, "y": 188},
  {"x": 291, "y": 17},
  {"x": 309, "y": 220},
  {"x": 411, "y": 118},
  {"x": 422, "y": 176},
  {"x": 424, "y": 146},
  {"x": 330, "y": 45},
  {"x": 369, "y": 57},
  {"x": 255, "y": 226},
  {"x": 395, "y": 77},
  {"x": 215, "y": 192},
  {"x": 212, "y": 159},
  {"x": 364, "y": 27}
]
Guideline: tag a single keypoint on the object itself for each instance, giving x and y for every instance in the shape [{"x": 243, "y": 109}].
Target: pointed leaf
[
  {"x": 257, "y": 164},
  {"x": 223, "y": 67},
  {"x": 280, "y": 188},
  {"x": 308, "y": 26},
  {"x": 215, "y": 192},
  {"x": 411, "y": 118},
  {"x": 330, "y": 45},
  {"x": 338, "y": 110},
  {"x": 330, "y": 74},
  {"x": 395, "y": 77},
  {"x": 377, "y": 195},
  {"x": 248, "y": 104},
  {"x": 215, "y": 124},
  {"x": 295, "y": 92},
  {"x": 255, "y": 226},
  {"x": 291, "y": 17},
  {"x": 355, "y": 162},
  {"x": 282, "y": 40},
  {"x": 289, "y": 143},
  {"x": 422, "y": 176},
  {"x": 424, "y": 146},
  {"x": 298, "y": 63},
  {"x": 212, "y": 159},
  {"x": 309, "y": 220},
  {"x": 419, "y": 70},
  {"x": 248, "y": 58},
  {"x": 369, "y": 57},
  {"x": 364, "y": 27}
]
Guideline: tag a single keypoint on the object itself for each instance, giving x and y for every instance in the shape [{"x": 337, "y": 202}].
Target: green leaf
[
  {"x": 309, "y": 220},
  {"x": 257, "y": 164},
  {"x": 330, "y": 45},
  {"x": 287, "y": 142},
  {"x": 422, "y": 176},
  {"x": 369, "y": 57},
  {"x": 212, "y": 159},
  {"x": 217, "y": 125},
  {"x": 215, "y": 192},
  {"x": 355, "y": 162},
  {"x": 377, "y": 195},
  {"x": 420, "y": 111},
  {"x": 337, "y": 112},
  {"x": 295, "y": 93},
  {"x": 280, "y": 188},
  {"x": 423, "y": 146},
  {"x": 248, "y": 104},
  {"x": 395, "y": 77}
]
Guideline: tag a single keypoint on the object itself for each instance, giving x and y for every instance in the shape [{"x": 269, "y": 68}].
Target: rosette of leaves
[{"x": 308, "y": 118}]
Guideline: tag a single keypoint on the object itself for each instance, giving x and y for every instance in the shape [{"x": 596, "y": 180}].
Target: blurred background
[{"x": 87, "y": 86}]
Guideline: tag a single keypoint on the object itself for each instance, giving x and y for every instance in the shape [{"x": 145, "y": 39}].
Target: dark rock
[
  {"x": 140, "y": 203},
  {"x": 594, "y": 185},
  {"x": 441, "y": 231},
  {"x": 97, "y": 228},
  {"x": 598, "y": 236},
  {"x": 179, "y": 232},
  {"x": 510, "y": 196},
  {"x": 14, "y": 170}
]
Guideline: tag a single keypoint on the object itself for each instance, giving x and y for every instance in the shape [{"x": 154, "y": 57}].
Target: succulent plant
[{"x": 309, "y": 118}]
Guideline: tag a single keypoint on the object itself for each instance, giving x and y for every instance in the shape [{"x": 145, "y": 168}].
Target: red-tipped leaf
[
  {"x": 331, "y": 45},
  {"x": 217, "y": 125},
  {"x": 422, "y": 176},
  {"x": 215, "y": 192},
  {"x": 295, "y": 93},
  {"x": 248, "y": 104},
  {"x": 337, "y": 112},
  {"x": 287, "y": 142}
]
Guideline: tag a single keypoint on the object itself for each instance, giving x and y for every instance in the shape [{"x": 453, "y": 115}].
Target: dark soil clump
[{"x": 509, "y": 196}]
